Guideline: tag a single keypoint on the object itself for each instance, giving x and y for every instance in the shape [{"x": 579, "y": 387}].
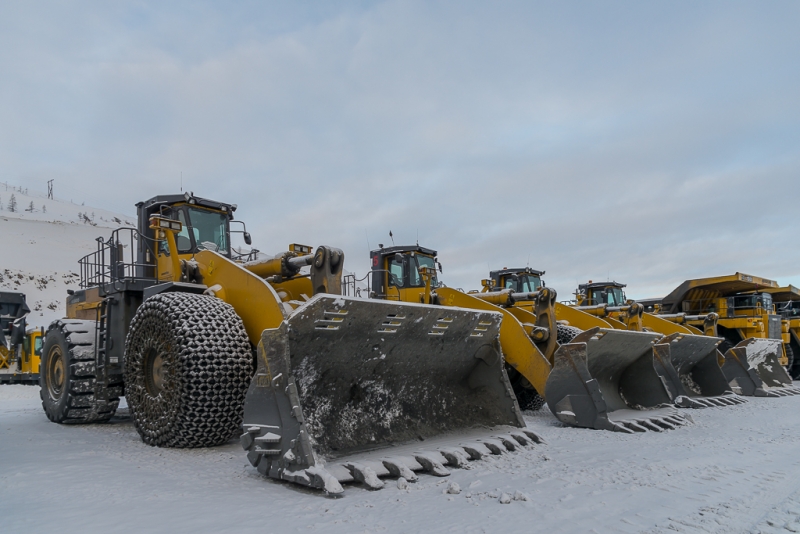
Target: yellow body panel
[
  {"x": 87, "y": 309},
  {"x": 31, "y": 357},
  {"x": 254, "y": 300},
  {"x": 299, "y": 289},
  {"x": 584, "y": 321}
]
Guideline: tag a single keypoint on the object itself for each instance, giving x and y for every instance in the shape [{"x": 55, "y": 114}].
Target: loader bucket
[
  {"x": 606, "y": 379},
  {"x": 352, "y": 389},
  {"x": 701, "y": 382},
  {"x": 752, "y": 368}
]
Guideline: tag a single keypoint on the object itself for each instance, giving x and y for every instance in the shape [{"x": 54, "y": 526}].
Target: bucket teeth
[
  {"x": 454, "y": 456},
  {"x": 431, "y": 464},
  {"x": 494, "y": 446},
  {"x": 476, "y": 451},
  {"x": 397, "y": 468},
  {"x": 521, "y": 439},
  {"x": 508, "y": 442},
  {"x": 364, "y": 474},
  {"x": 708, "y": 402},
  {"x": 533, "y": 436}
]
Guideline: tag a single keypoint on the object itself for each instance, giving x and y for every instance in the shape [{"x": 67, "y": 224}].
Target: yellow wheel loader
[
  {"x": 755, "y": 337},
  {"x": 206, "y": 343},
  {"x": 20, "y": 348},
  {"x": 670, "y": 363},
  {"x": 693, "y": 353},
  {"x": 581, "y": 380},
  {"x": 787, "y": 305}
]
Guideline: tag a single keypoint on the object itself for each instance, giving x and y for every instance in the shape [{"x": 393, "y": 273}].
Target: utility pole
[{"x": 50, "y": 189}]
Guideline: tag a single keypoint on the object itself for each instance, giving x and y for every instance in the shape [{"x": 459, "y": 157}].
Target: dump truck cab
[
  {"x": 518, "y": 280},
  {"x": 403, "y": 273}
]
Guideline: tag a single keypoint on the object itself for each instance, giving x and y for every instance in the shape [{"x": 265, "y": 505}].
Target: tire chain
[
  {"x": 82, "y": 403},
  {"x": 565, "y": 333},
  {"x": 527, "y": 397},
  {"x": 208, "y": 365}
]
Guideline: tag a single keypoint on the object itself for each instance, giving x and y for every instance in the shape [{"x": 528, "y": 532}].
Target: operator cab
[
  {"x": 746, "y": 304},
  {"x": 594, "y": 293},
  {"x": 395, "y": 269},
  {"x": 525, "y": 280},
  {"x": 206, "y": 223}
]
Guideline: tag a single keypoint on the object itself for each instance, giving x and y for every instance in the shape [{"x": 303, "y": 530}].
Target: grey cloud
[{"x": 645, "y": 142}]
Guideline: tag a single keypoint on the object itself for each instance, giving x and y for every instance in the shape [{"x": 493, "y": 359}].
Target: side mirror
[
  {"x": 440, "y": 266},
  {"x": 248, "y": 239}
]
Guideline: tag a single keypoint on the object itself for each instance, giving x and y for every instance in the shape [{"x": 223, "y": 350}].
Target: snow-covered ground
[
  {"x": 735, "y": 469},
  {"x": 39, "y": 250}
]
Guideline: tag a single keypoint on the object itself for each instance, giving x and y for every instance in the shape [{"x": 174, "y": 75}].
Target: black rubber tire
[
  {"x": 72, "y": 342},
  {"x": 790, "y": 358},
  {"x": 725, "y": 346},
  {"x": 207, "y": 367},
  {"x": 564, "y": 333},
  {"x": 527, "y": 396}
]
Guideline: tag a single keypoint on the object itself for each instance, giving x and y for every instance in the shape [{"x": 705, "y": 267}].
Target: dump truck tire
[
  {"x": 68, "y": 386},
  {"x": 188, "y": 363}
]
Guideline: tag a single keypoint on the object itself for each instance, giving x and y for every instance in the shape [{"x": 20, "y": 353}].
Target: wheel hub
[
  {"x": 154, "y": 370},
  {"x": 55, "y": 374}
]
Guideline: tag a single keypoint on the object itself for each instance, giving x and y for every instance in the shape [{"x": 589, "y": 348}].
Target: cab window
[
  {"x": 396, "y": 274},
  {"x": 418, "y": 261},
  {"x": 529, "y": 284},
  {"x": 182, "y": 239},
  {"x": 209, "y": 230}
]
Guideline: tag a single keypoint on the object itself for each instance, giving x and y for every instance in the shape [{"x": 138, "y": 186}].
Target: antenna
[
  {"x": 367, "y": 236},
  {"x": 181, "y": 181},
  {"x": 392, "y": 237},
  {"x": 417, "y": 236},
  {"x": 529, "y": 261}
]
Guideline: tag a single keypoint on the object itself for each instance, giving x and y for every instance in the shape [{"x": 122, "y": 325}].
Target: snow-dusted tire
[
  {"x": 566, "y": 333},
  {"x": 188, "y": 365},
  {"x": 67, "y": 381}
]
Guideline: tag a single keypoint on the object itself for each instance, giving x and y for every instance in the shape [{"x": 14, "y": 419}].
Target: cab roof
[
  {"x": 595, "y": 285},
  {"x": 402, "y": 249},
  {"x": 515, "y": 270},
  {"x": 169, "y": 200}
]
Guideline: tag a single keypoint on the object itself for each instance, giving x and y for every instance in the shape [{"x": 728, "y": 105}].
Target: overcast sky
[{"x": 647, "y": 142}]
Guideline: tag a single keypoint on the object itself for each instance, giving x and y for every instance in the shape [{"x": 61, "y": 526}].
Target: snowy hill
[{"x": 40, "y": 247}]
